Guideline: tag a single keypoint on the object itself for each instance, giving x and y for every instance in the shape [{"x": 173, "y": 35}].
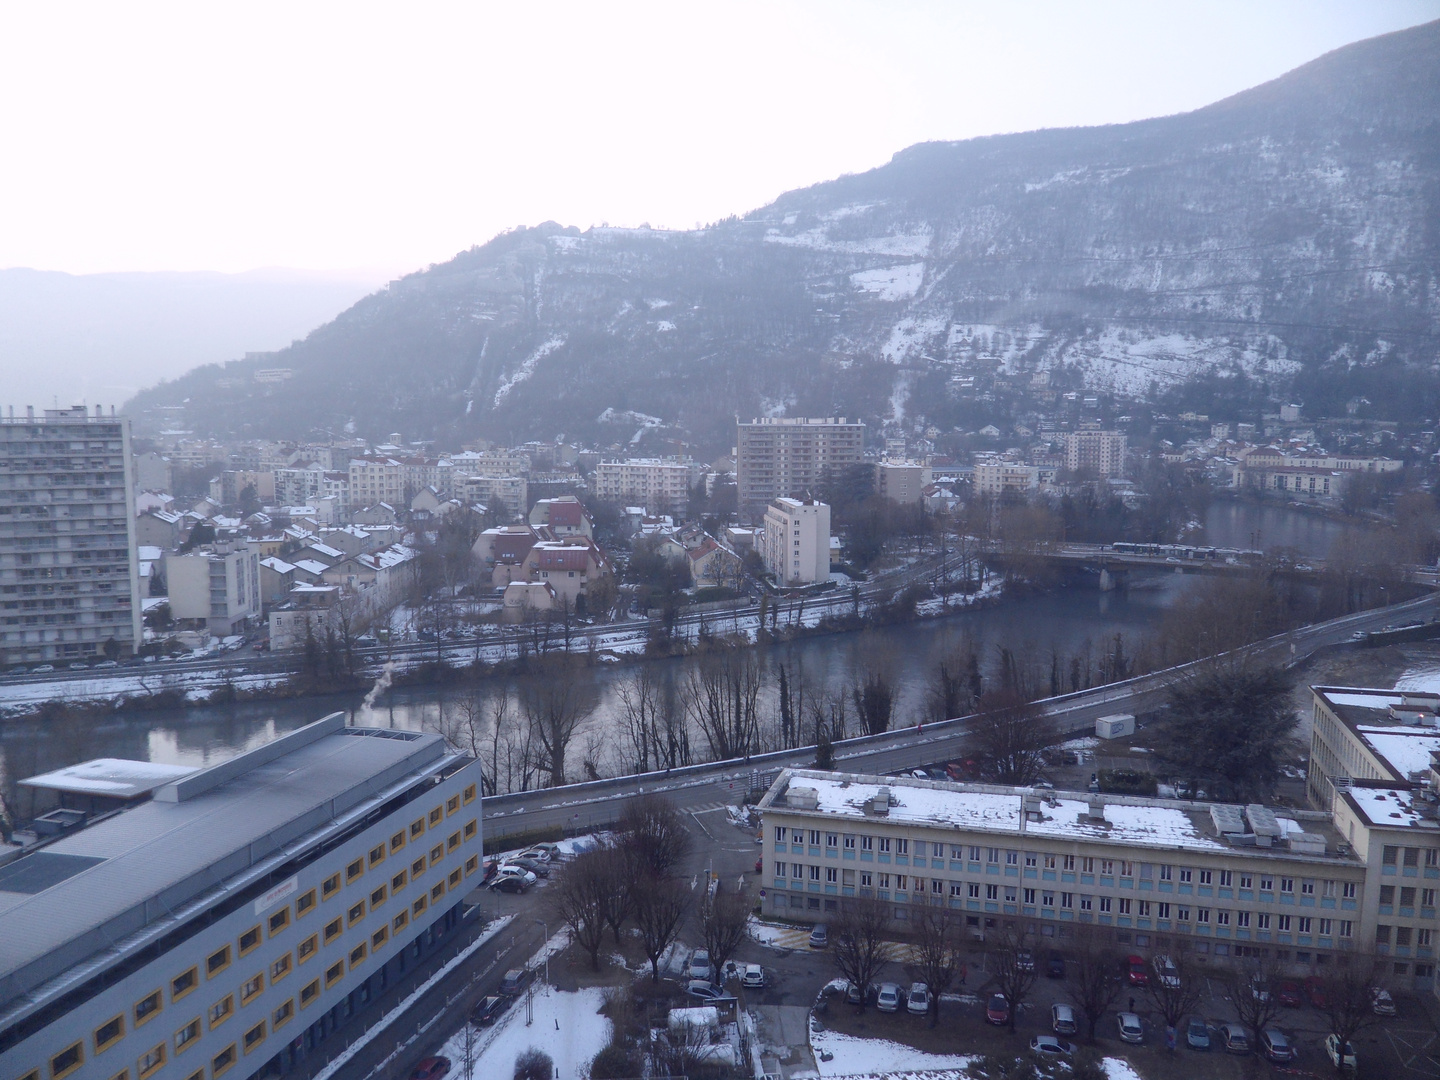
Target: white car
[
  {"x": 1130, "y": 1029},
  {"x": 1381, "y": 1003},
  {"x": 1062, "y": 1020},
  {"x": 753, "y": 976},
  {"x": 1166, "y": 972},
  {"x": 1340, "y": 1057},
  {"x": 918, "y": 1001},
  {"x": 1048, "y": 1044},
  {"x": 700, "y": 966},
  {"x": 510, "y": 870},
  {"x": 888, "y": 999}
]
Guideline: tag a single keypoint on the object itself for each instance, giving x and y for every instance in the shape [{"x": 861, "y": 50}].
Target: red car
[
  {"x": 1315, "y": 991},
  {"x": 1288, "y": 994},
  {"x": 1136, "y": 972},
  {"x": 760, "y": 862},
  {"x": 432, "y": 1068},
  {"x": 998, "y": 1010}
]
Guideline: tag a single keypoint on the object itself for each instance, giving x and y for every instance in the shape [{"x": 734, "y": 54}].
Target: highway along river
[{"x": 1070, "y": 622}]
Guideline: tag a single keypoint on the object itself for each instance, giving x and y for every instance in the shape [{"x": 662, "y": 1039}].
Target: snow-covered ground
[
  {"x": 1120, "y": 1069},
  {"x": 567, "y": 1026},
  {"x": 1425, "y": 678},
  {"x": 891, "y": 282},
  {"x": 856, "y": 1057}
]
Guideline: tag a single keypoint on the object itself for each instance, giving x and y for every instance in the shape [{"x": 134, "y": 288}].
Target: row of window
[{"x": 182, "y": 985}]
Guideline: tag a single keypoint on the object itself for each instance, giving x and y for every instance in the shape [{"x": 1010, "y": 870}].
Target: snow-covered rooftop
[
  {"x": 1390, "y": 808},
  {"x": 115, "y": 777},
  {"x": 1406, "y": 749}
]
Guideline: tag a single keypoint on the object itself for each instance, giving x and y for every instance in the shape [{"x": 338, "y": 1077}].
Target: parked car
[
  {"x": 1166, "y": 971},
  {"x": 508, "y": 883},
  {"x": 854, "y": 995},
  {"x": 1381, "y": 1003},
  {"x": 1054, "y": 966},
  {"x": 704, "y": 990},
  {"x": 535, "y": 866},
  {"x": 760, "y": 865},
  {"x": 1315, "y": 991},
  {"x": 820, "y": 936},
  {"x": 888, "y": 998},
  {"x": 107, "y": 664},
  {"x": 515, "y": 980},
  {"x": 1024, "y": 960},
  {"x": 1259, "y": 987},
  {"x": 537, "y": 853},
  {"x": 1275, "y": 1046},
  {"x": 1288, "y": 993},
  {"x": 1062, "y": 1020},
  {"x": 42, "y": 669},
  {"x": 700, "y": 966},
  {"x": 1135, "y": 971},
  {"x": 997, "y": 1011},
  {"x": 753, "y": 976},
  {"x": 917, "y": 1001},
  {"x": 431, "y": 1068},
  {"x": 1130, "y": 1029},
  {"x": 1342, "y": 1057},
  {"x": 1197, "y": 1034},
  {"x": 488, "y": 1010},
  {"x": 1048, "y": 1044},
  {"x": 1234, "y": 1038}
]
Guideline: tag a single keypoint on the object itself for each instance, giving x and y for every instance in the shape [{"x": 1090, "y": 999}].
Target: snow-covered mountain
[{"x": 1290, "y": 233}]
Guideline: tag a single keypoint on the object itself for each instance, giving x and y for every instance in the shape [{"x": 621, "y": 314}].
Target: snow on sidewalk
[
  {"x": 567, "y": 1026},
  {"x": 855, "y": 1057}
]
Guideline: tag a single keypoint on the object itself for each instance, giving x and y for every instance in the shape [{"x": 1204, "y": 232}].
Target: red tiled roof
[
  {"x": 513, "y": 547},
  {"x": 563, "y": 559},
  {"x": 568, "y": 514}
]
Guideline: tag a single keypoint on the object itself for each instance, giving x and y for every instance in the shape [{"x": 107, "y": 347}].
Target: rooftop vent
[
  {"x": 1030, "y": 803},
  {"x": 1303, "y": 843},
  {"x": 881, "y": 803},
  {"x": 1415, "y": 715},
  {"x": 802, "y": 798},
  {"x": 1227, "y": 819},
  {"x": 1264, "y": 824},
  {"x": 1096, "y": 815}
]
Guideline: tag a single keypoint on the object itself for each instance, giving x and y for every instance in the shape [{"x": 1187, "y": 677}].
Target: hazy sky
[{"x": 387, "y": 136}]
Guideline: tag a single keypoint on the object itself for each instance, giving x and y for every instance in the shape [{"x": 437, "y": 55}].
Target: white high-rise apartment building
[
  {"x": 69, "y": 583},
  {"x": 783, "y": 456},
  {"x": 662, "y": 487},
  {"x": 1101, "y": 451},
  {"x": 795, "y": 543}
]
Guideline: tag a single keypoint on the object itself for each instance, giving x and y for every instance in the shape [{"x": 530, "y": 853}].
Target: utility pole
[{"x": 546, "y": 928}]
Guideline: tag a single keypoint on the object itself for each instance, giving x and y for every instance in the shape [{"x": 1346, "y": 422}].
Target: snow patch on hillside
[
  {"x": 904, "y": 245},
  {"x": 891, "y": 282},
  {"x": 909, "y": 334},
  {"x": 527, "y": 368},
  {"x": 1128, "y": 361}
]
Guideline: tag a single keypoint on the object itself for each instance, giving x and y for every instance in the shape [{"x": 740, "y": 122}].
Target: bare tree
[
  {"x": 722, "y": 698},
  {"x": 1253, "y": 987},
  {"x": 554, "y": 709},
  {"x": 1348, "y": 987},
  {"x": 534, "y": 1064},
  {"x": 1011, "y": 735},
  {"x": 640, "y": 716},
  {"x": 617, "y": 867},
  {"x": 1094, "y": 975},
  {"x": 723, "y": 918},
  {"x": 578, "y": 898},
  {"x": 1175, "y": 986},
  {"x": 936, "y": 951},
  {"x": 1014, "y": 975},
  {"x": 659, "y": 907},
  {"x": 858, "y": 941},
  {"x": 652, "y": 828}
]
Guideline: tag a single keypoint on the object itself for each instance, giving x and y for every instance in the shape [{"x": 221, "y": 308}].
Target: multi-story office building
[
  {"x": 795, "y": 543},
  {"x": 901, "y": 481},
  {"x": 375, "y": 480},
  {"x": 219, "y": 586},
  {"x": 229, "y": 922},
  {"x": 69, "y": 581},
  {"x": 1102, "y": 452},
  {"x": 1217, "y": 880},
  {"x": 661, "y": 486},
  {"x": 780, "y": 457}
]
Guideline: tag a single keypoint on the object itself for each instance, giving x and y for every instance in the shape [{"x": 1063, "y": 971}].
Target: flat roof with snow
[{"x": 116, "y": 778}]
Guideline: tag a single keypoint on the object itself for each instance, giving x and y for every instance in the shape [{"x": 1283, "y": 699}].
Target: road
[{"x": 594, "y": 804}]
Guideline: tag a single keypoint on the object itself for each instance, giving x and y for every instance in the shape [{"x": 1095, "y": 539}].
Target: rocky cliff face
[{"x": 1290, "y": 234}]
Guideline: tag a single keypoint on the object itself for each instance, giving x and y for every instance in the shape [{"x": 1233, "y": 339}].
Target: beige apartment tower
[{"x": 779, "y": 457}]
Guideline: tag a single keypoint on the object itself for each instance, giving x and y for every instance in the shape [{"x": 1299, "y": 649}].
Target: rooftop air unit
[
  {"x": 802, "y": 798},
  {"x": 1264, "y": 824},
  {"x": 1227, "y": 819}
]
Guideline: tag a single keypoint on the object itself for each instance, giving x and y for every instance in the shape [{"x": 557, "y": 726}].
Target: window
[
  {"x": 1432, "y": 856},
  {"x": 1186, "y": 874},
  {"x": 221, "y": 1011},
  {"x": 330, "y": 886},
  {"x": 305, "y": 904},
  {"x": 455, "y": 875},
  {"x": 356, "y": 912},
  {"x": 398, "y": 923},
  {"x": 357, "y": 954},
  {"x": 281, "y": 1016},
  {"x": 471, "y": 828},
  {"x": 1107, "y": 867},
  {"x": 1328, "y": 889},
  {"x": 280, "y": 968},
  {"x": 1182, "y": 914},
  {"x": 1206, "y": 877},
  {"x": 1423, "y": 935},
  {"x": 1427, "y": 897},
  {"x": 1307, "y": 886},
  {"x": 397, "y": 841},
  {"x": 1226, "y": 877},
  {"x": 452, "y": 805},
  {"x": 1087, "y": 864},
  {"x": 1347, "y": 928},
  {"x": 1242, "y": 918},
  {"x": 67, "y": 1061},
  {"x": 1347, "y": 890},
  {"x": 249, "y": 940},
  {"x": 354, "y": 870},
  {"x": 1069, "y": 863},
  {"x": 182, "y": 984},
  {"x": 1287, "y": 885},
  {"x": 334, "y": 972},
  {"x": 1049, "y": 861},
  {"x": 309, "y": 992},
  {"x": 419, "y": 905},
  {"x": 472, "y": 864},
  {"x": 1262, "y": 921},
  {"x": 452, "y": 841},
  {"x": 332, "y": 930},
  {"x": 151, "y": 1060},
  {"x": 1031, "y": 859},
  {"x": 884, "y": 843},
  {"x": 377, "y": 854},
  {"x": 379, "y": 937},
  {"x": 417, "y": 867},
  {"x": 217, "y": 962},
  {"x": 1267, "y": 883},
  {"x": 398, "y": 881},
  {"x": 187, "y": 1035},
  {"x": 974, "y": 891},
  {"x": 469, "y": 794},
  {"x": 1382, "y": 935},
  {"x": 1389, "y": 854},
  {"x": 1305, "y": 923},
  {"x": 1247, "y": 881},
  {"x": 377, "y": 897},
  {"x": 831, "y": 874},
  {"x": 251, "y": 987},
  {"x": 438, "y": 889},
  {"x": 255, "y": 1036},
  {"x": 1087, "y": 903},
  {"x": 1165, "y": 872},
  {"x": 1104, "y": 903},
  {"x": 418, "y": 827},
  {"x": 149, "y": 1005},
  {"x": 437, "y": 853},
  {"x": 221, "y": 1063},
  {"x": 306, "y": 948},
  {"x": 1282, "y": 923},
  {"x": 1124, "y": 906},
  {"x": 109, "y": 1033},
  {"x": 435, "y": 816},
  {"x": 1162, "y": 910},
  {"x": 1327, "y": 927},
  {"x": 1144, "y": 909},
  {"x": 279, "y": 920}
]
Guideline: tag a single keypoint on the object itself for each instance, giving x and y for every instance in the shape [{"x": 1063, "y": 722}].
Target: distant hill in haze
[
  {"x": 1288, "y": 235},
  {"x": 101, "y": 337}
]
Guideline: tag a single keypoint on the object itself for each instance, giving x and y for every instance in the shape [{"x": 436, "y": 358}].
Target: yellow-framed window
[
  {"x": 254, "y": 1036},
  {"x": 354, "y": 870},
  {"x": 421, "y": 902},
  {"x": 355, "y": 913},
  {"x": 436, "y": 816},
  {"x": 452, "y": 805},
  {"x": 471, "y": 828},
  {"x": 278, "y": 920},
  {"x": 149, "y": 1062},
  {"x": 251, "y": 988},
  {"x": 109, "y": 1033},
  {"x": 67, "y": 1061},
  {"x": 282, "y": 1014},
  {"x": 469, "y": 794},
  {"x": 333, "y": 929},
  {"x": 397, "y": 841},
  {"x": 148, "y": 1007},
  {"x": 398, "y": 881},
  {"x": 186, "y": 1036},
  {"x": 401, "y": 920},
  {"x": 454, "y": 878},
  {"x": 418, "y": 867},
  {"x": 357, "y": 955},
  {"x": 221, "y": 1011},
  {"x": 472, "y": 864},
  {"x": 378, "y": 896},
  {"x": 183, "y": 983},
  {"x": 437, "y": 853},
  {"x": 330, "y": 886},
  {"x": 437, "y": 890},
  {"x": 377, "y": 855},
  {"x": 223, "y": 1062},
  {"x": 416, "y": 828},
  {"x": 452, "y": 841},
  {"x": 198, "y": 1074},
  {"x": 307, "y": 948},
  {"x": 217, "y": 962},
  {"x": 334, "y": 972},
  {"x": 250, "y": 940},
  {"x": 280, "y": 967},
  {"x": 379, "y": 938},
  {"x": 309, "y": 993},
  {"x": 305, "y": 904}
]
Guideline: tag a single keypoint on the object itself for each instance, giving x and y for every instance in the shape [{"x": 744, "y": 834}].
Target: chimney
[{"x": 1096, "y": 816}]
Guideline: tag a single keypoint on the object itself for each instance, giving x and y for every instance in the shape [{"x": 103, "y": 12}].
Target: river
[{"x": 1032, "y": 627}]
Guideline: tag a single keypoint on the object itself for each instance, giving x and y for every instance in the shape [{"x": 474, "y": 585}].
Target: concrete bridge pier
[{"x": 1110, "y": 580}]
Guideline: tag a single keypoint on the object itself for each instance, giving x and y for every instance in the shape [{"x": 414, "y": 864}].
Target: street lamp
[{"x": 546, "y": 928}]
